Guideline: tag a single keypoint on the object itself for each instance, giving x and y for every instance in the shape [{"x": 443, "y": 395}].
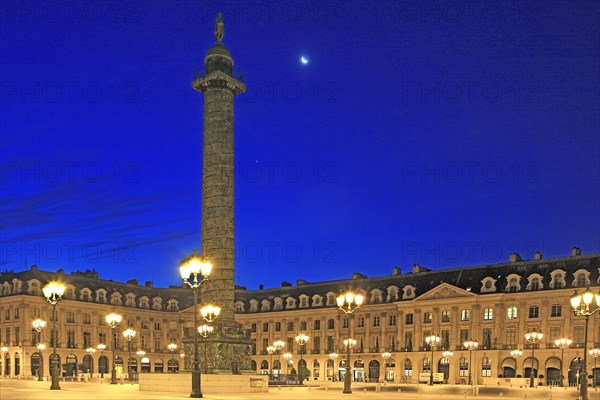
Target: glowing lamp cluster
[
  {"x": 192, "y": 268},
  {"x": 471, "y": 345},
  {"x": 53, "y": 292},
  {"x": 534, "y": 336},
  {"x": 205, "y": 330},
  {"x": 41, "y": 347},
  {"x": 39, "y": 325},
  {"x": 209, "y": 313},
  {"x": 581, "y": 302},
  {"x": 349, "y": 343},
  {"x": 113, "y": 319},
  {"x": 516, "y": 353},
  {"x": 563, "y": 343},
  {"x": 349, "y": 302},
  {"x": 301, "y": 339}
]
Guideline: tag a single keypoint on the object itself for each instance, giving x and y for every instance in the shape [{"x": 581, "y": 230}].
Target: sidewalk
[{"x": 27, "y": 390}]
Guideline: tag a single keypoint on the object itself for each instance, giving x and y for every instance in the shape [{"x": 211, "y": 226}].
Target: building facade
[{"x": 494, "y": 305}]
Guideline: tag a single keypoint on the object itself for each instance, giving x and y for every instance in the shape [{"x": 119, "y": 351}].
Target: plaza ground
[{"x": 26, "y": 390}]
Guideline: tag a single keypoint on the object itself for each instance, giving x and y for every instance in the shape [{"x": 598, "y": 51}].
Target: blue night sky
[{"x": 430, "y": 133}]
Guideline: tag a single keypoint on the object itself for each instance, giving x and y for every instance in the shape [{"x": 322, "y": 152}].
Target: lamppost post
[
  {"x": 172, "y": 347},
  {"x": 431, "y": 340},
  {"x": 101, "y": 347},
  {"x": 271, "y": 350},
  {"x": 287, "y": 357},
  {"x": 581, "y": 304},
  {"x": 446, "y": 357},
  {"x": 562, "y": 344},
  {"x": 41, "y": 347},
  {"x": 113, "y": 320},
  {"x": 39, "y": 325},
  {"x": 53, "y": 292},
  {"x": 140, "y": 354},
  {"x": 204, "y": 331},
  {"x": 190, "y": 269},
  {"x": 386, "y": 356},
  {"x": 349, "y": 303},
  {"x": 533, "y": 337},
  {"x": 471, "y": 345},
  {"x": 301, "y": 339},
  {"x": 129, "y": 334},
  {"x": 516, "y": 354},
  {"x": 333, "y": 357},
  {"x": 278, "y": 344},
  {"x": 91, "y": 351},
  {"x": 594, "y": 353}
]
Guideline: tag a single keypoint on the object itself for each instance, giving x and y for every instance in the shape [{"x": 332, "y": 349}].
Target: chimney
[
  {"x": 575, "y": 251},
  {"x": 301, "y": 282},
  {"x": 132, "y": 281},
  {"x": 417, "y": 268},
  {"x": 148, "y": 284},
  {"x": 514, "y": 257},
  {"x": 396, "y": 271},
  {"x": 261, "y": 286},
  {"x": 358, "y": 275},
  {"x": 537, "y": 256}
]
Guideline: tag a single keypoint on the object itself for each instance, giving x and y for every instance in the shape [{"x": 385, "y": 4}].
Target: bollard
[
  {"x": 364, "y": 389},
  {"x": 465, "y": 394},
  {"x": 279, "y": 387},
  {"x": 501, "y": 394},
  {"x": 399, "y": 390}
]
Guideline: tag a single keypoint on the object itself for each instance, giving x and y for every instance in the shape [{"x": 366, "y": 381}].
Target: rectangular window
[
  {"x": 290, "y": 326},
  {"x": 360, "y": 322},
  {"x": 157, "y": 326},
  {"x": 70, "y": 316},
  {"x": 144, "y": 342},
  {"x": 265, "y": 343},
  {"x": 16, "y": 315},
  {"x": 317, "y": 345},
  {"x": 7, "y": 336},
  {"x": 556, "y": 310},
  {"x": 409, "y": 319},
  {"x": 375, "y": 321},
  {"x": 7, "y": 314},
  {"x": 330, "y": 323},
  {"x": 70, "y": 339},
  {"x": 445, "y": 339},
  {"x": 511, "y": 336},
  {"x": 487, "y": 338},
  {"x": 408, "y": 341},
  {"x": 578, "y": 332},
  {"x": 317, "y": 324},
  {"x": 465, "y": 314},
  {"x": 427, "y": 317},
  {"x": 464, "y": 336},
  {"x": 144, "y": 324},
  {"x": 87, "y": 340},
  {"x": 511, "y": 312},
  {"x": 330, "y": 344},
  {"x": 157, "y": 344},
  {"x": 86, "y": 318},
  {"x": 392, "y": 320},
  {"x": 253, "y": 328},
  {"x": 277, "y": 326},
  {"x": 17, "y": 336},
  {"x": 303, "y": 325},
  {"x": 345, "y": 323},
  {"x": 534, "y": 312},
  {"x": 446, "y": 316},
  {"x": 554, "y": 333},
  {"x": 488, "y": 314},
  {"x": 265, "y": 327},
  {"x": 35, "y": 313},
  {"x": 290, "y": 345},
  {"x": 102, "y": 338}
]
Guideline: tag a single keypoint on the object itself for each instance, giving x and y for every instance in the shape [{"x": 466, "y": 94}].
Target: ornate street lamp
[
  {"x": 582, "y": 307},
  {"x": 595, "y": 353},
  {"x": 113, "y": 320},
  {"x": 129, "y": 334},
  {"x": 101, "y": 347},
  {"x": 279, "y": 344},
  {"x": 333, "y": 357},
  {"x": 562, "y": 344},
  {"x": 41, "y": 347},
  {"x": 431, "y": 340},
  {"x": 53, "y": 292},
  {"x": 271, "y": 350},
  {"x": 348, "y": 344},
  {"x": 91, "y": 351},
  {"x": 470, "y": 345},
  {"x": 192, "y": 268},
  {"x": 386, "y": 356},
  {"x": 533, "y": 337},
  {"x": 516, "y": 354},
  {"x": 301, "y": 339},
  {"x": 204, "y": 331},
  {"x": 287, "y": 357},
  {"x": 39, "y": 325},
  {"x": 210, "y": 313},
  {"x": 172, "y": 347},
  {"x": 349, "y": 303}
]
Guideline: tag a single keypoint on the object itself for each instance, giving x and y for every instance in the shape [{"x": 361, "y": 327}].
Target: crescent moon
[{"x": 304, "y": 60}]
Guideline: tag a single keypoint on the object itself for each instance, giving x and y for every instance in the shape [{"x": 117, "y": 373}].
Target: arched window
[
  {"x": 408, "y": 370},
  {"x": 463, "y": 367},
  {"x": 426, "y": 365}
]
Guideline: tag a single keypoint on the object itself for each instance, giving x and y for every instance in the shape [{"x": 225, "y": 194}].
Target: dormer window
[{"x": 514, "y": 283}]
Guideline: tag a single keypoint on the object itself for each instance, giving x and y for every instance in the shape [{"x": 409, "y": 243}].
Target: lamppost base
[
  {"x": 347, "y": 392},
  {"x": 196, "y": 395}
]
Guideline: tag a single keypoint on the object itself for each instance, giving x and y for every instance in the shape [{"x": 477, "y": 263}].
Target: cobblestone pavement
[{"x": 27, "y": 390}]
